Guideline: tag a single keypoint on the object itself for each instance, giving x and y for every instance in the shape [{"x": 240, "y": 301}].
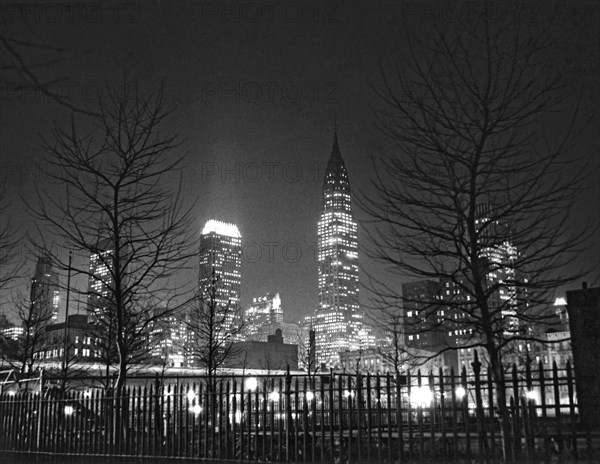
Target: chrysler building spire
[{"x": 338, "y": 320}]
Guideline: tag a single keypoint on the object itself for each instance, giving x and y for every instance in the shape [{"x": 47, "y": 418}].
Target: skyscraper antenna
[{"x": 335, "y": 120}]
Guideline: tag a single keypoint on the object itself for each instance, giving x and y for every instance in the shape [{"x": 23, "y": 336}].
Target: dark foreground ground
[{"x": 16, "y": 458}]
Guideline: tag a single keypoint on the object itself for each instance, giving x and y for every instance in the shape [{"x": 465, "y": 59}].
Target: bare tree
[
  {"x": 308, "y": 355},
  {"x": 392, "y": 350},
  {"x": 23, "y": 71},
  {"x": 477, "y": 194},
  {"x": 9, "y": 242},
  {"x": 28, "y": 349},
  {"x": 213, "y": 328},
  {"x": 116, "y": 210}
]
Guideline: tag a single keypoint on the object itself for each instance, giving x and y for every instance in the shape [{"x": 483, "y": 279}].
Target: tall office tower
[
  {"x": 338, "y": 320},
  {"x": 421, "y": 299},
  {"x": 221, "y": 263},
  {"x": 265, "y": 310},
  {"x": 100, "y": 280},
  {"x": 499, "y": 254},
  {"x": 45, "y": 294}
]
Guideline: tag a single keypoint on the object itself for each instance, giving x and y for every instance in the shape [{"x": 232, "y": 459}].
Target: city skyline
[{"x": 257, "y": 113}]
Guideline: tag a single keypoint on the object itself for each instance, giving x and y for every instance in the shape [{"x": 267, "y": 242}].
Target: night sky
[{"x": 257, "y": 90}]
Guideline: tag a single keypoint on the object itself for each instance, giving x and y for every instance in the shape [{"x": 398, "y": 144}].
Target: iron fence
[{"x": 334, "y": 418}]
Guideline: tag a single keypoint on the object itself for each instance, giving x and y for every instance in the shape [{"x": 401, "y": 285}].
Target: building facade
[
  {"x": 100, "y": 280},
  {"x": 45, "y": 291},
  {"x": 338, "y": 320},
  {"x": 220, "y": 266},
  {"x": 264, "y": 310}
]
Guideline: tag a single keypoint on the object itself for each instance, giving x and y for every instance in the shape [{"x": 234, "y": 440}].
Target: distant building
[
  {"x": 421, "y": 299},
  {"x": 82, "y": 340},
  {"x": 264, "y": 310},
  {"x": 273, "y": 354},
  {"x": 45, "y": 291},
  {"x": 12, "y": 332},
  {"x": 221, "y": 263},
  {"x": 372, "y": 361},
  {"x": 167, "y": 341},
  {"x": 100, "y": 280}
]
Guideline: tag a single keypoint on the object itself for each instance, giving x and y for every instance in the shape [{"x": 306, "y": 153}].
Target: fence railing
[{"x": 324, "y": 418}]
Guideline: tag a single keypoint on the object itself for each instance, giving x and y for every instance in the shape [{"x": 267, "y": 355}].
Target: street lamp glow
[
  {"x": 274, "y": 396},
  {"x": 191, "y": 395},
  {"x": 251, "y": 383},
  {"x": 69, "y": 410},
  {"x": 421, "y": 396},
  {"x": 460, "y": 393},
  {"x": 197, "y": 409},
  {"x": 310, "y": 396}
]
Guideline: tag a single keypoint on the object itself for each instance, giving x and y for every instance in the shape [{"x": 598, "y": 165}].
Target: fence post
[{"x": 481, "y": 435}]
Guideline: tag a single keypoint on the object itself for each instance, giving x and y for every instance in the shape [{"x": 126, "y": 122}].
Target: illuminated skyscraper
[
  {"x": 221, "y": 263},
  {"x": 45, "y": 294},
  {"x": 265, "y": 310},
  {"x": 338, "y": 320},
  {"x": 100, "y": 280}
]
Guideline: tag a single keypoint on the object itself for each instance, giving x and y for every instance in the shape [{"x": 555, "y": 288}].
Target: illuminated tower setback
[
  {"x": 338, "y": 320},
  {"x": 221, "y": 263}
]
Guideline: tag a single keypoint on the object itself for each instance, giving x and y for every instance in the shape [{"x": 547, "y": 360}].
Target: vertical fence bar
[
  {"x": 369, "y": 423},
  {"x": 379, "y": 420},
  {"x": 466, "y": 415},
  {"x": 242, "y": 428},
  {"x": 234, "y": 428},
  {"x": 420, "y": 419},
  {"x": 454, "y": 415},
  {"x": 491, "y": 411},
  {"x": 479, "y": 409},
  {"x": 432, "y": 413},
  {"x": 313, "y": 408},
  {"x": 526, "y": 418},
  {"x": 557, "y": 411},
  {"x": 350, "y": 417},
  {"x": 294, "y": 421},
  {"x": 388, "y": 402},
  {"x": 410, "y": 417},
  {"x": 305, "y": 445},
  {"x": 256, "y": 441},
  {"x": 359, "y": 411},
  {"x": 543, "y": 408},
  {"x": 442, "y": 388},
  {"x": 322, "y": 417},
  {"x": 331, "y": 420},
  {"x": 280, "y": 423},
  {"x": 340, "y": 417},
  {"x": 273, "y": 420},
  {"x": 571, "y": 395},
  {"x": 516, "y": 432}
]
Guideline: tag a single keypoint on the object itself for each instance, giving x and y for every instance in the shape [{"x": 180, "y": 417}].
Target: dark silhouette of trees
[
  {"x": 26, "y": 65},
  {"x": 27, "y": 350},
  {"x": 116, "y": 200},
  {"x": 478, "y": 191},
  {"x": 213, "y": 328},
  {"x": 9, "y": 242}
]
